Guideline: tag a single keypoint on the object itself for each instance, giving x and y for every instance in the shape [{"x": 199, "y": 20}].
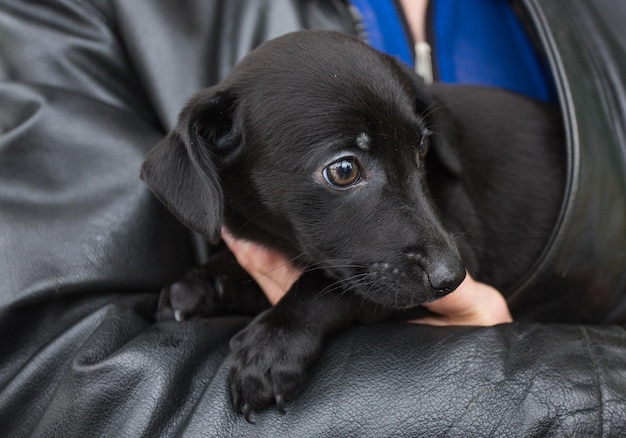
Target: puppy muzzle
[{"x": 413, "y": 279}]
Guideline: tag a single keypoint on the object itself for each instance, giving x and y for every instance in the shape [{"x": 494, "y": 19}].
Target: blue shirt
[{"x": 480, "y": 42}]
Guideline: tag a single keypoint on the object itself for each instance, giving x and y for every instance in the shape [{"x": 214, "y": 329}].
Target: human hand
[
  {"x": 273, "y": 272},
  {"x": 473, "y": 303}
]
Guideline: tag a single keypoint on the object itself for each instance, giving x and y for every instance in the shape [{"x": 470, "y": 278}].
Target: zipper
[
  {"x": 360, "y": 31},
  {"x": 424, "y": 61},
  {"x": 426, "y": 51},
  {"x": 422, "y": 50}
]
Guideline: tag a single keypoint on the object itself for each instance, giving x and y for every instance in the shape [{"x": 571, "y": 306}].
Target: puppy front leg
[
  {"x": 271, "y": 356},
  {"x": 220, "y": 286}
]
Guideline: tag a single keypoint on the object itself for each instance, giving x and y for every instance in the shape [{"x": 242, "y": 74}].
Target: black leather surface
[
  {"x": 86, "y": 88},
  {"x": 584, "y": 267}
]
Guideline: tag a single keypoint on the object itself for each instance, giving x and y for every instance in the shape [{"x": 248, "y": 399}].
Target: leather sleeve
[{"x": 86, "y": 88}]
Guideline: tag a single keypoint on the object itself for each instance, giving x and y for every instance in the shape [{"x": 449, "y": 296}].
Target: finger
[
  {"x": 272, "y": 271},
  {"x": 462, "y": 300},
  {"x": 473, "y": 303}
]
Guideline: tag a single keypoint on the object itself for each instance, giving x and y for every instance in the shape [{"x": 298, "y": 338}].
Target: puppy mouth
[{"x": 403, "y": 287}]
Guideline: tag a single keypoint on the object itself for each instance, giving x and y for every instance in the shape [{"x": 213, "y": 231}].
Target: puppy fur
[{"x": 317, "y": 146}]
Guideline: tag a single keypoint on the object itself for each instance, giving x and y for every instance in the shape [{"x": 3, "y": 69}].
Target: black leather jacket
[{"x": 87, "y": 87}]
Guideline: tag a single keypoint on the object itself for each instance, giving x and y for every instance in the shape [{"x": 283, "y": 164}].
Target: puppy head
[{"x": 315, "y": 144}]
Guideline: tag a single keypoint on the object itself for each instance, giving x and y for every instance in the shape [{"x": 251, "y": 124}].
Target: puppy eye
[
  {"x": 424, "y": 144},
  {"x": 343, "y": 173}
]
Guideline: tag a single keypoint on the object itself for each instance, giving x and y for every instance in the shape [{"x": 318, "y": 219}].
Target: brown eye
[{"x": 343, "y": 173}]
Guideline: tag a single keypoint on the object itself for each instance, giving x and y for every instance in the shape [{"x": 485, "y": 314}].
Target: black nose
[
  {"x": 446, "y": 277},
  {"x": 442, "y": 266}
]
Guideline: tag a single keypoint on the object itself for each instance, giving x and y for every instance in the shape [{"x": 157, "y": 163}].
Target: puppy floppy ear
[
  {"x": 445, "y": 137},
  {"x": 181, "y": 170},
  {"x": 434, "y": 108}
]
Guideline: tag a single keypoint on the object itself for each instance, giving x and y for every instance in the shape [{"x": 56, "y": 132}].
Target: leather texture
[
  {"x": 86, "y": 88},
  {"x": 584, "y": 266}
]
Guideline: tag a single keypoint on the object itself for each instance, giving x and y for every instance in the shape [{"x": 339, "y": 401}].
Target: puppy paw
[
  {"x": 199, "y": 293},
  {"x": 269, "y": 362}
]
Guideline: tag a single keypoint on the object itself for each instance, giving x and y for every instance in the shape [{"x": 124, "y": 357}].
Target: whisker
[
  {"x": 340, "y": 284},
  {"x": 435, "y": 106}
]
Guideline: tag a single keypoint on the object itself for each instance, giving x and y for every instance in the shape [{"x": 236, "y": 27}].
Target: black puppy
[{"x": 316, "y": 145}]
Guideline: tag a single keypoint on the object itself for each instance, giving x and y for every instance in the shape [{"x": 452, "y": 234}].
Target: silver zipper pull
[{"x": 424, "y": 61}]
